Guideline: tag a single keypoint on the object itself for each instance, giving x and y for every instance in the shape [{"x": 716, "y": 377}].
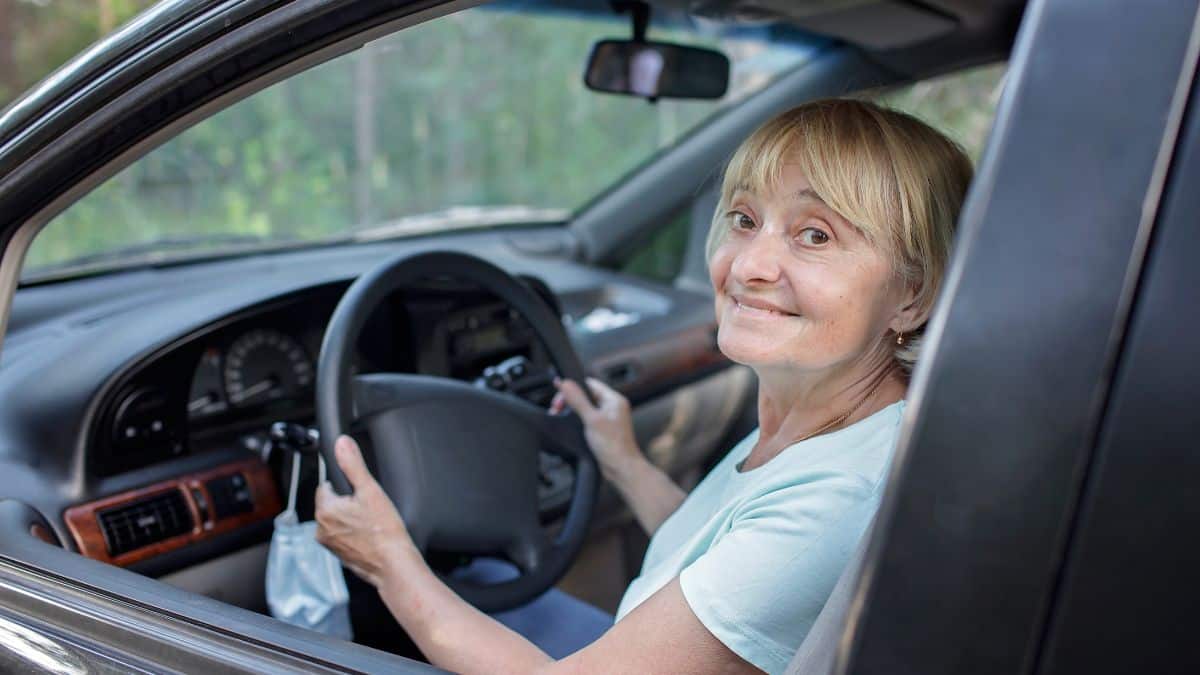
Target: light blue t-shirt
[{"x": 758, "y": 553}]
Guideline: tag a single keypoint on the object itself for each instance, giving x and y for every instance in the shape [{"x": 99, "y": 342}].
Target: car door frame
[
  {"x": 1124, "y": 597},
  {"x": 991, "y": 507}
]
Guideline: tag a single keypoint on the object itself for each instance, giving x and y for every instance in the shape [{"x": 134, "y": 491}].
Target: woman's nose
[{"x": 758, "y": 260}]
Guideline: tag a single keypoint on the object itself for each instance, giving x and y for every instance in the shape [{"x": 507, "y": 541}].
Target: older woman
[{"x": 826, "y": 252}]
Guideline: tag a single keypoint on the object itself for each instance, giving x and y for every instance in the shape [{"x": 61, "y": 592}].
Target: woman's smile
[{"x": 759, "y": 308}]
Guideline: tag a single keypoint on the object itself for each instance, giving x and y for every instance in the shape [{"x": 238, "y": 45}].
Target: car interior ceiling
[{"x": 895, "y": 41}]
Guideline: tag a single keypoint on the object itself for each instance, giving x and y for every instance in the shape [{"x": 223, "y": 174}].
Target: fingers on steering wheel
[
  {"x": 573, "y": 395},
  {"x": 557, "y": 403},
  {"x": 601, "y": 391}
]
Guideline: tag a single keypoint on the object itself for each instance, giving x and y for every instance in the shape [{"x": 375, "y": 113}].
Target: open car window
[
  {"x": 476, "y": 119},
  {"x": 961, "y": 105}
]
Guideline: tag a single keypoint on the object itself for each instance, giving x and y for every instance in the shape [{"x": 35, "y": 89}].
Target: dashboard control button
[{"x": 230, "y": 496}]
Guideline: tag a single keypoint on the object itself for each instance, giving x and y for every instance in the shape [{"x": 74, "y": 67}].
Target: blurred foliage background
[
  {"x": 37, "y": 36},
  {"x": 961, "y": 104},
  {"x": 474, "y": 110}
]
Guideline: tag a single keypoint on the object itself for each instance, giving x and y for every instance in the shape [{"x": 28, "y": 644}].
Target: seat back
[{"x": 817, "y": 653}]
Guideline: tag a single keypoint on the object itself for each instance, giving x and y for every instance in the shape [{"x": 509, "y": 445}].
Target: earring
[{"x": 899, "y": 338}]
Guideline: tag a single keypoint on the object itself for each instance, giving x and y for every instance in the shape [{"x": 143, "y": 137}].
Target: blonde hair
[{"x": 892, "y": 176}]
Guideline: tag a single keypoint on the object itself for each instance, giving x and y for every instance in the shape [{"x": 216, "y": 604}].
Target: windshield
[{"x": 476, "y": 119}]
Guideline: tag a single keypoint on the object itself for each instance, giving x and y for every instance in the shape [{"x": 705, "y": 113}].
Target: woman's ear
[{"x": 912, "y": 311}]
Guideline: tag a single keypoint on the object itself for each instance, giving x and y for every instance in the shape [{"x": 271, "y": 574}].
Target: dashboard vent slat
[{"x": 144, "y": 522}]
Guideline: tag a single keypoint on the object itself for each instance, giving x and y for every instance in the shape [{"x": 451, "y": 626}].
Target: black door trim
[{"x": 1005, "y": 409}]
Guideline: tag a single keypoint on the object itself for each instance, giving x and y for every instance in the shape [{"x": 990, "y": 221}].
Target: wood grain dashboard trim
[
  {"x": 84, "y": 526},
  {"x": 649, "y": 369}
]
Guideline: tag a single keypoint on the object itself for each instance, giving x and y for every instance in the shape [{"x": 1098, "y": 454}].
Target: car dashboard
[{"x": 223, "y": 386}]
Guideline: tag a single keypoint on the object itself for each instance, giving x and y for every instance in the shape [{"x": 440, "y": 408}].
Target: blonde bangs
[{"x": 845, "y": 167}]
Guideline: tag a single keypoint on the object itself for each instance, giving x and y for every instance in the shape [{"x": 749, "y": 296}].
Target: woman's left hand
[{"x": 363, "y": 529}]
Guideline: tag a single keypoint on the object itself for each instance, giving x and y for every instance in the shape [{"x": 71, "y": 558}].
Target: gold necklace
[{"x": 836, "y": 420}]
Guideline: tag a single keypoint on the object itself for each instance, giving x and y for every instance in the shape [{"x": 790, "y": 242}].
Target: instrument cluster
[
  {"x": 245, "y": 372},
  {"x": 259, "y": 366}
]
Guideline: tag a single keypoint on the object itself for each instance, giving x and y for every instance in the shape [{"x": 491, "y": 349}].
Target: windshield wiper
[{"x": 459, "y": 218}]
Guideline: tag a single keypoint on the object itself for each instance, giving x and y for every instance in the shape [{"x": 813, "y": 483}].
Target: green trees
[
  {"x": 961, "y": 105},
  {"x": 37, "y": 36}
]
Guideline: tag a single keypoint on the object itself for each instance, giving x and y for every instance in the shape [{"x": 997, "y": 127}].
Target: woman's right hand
[{"x": 608, "y": 425}]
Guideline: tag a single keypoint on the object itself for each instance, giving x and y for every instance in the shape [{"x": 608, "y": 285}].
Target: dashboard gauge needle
[
  {"x": 200, "y": 403},
  {"x": 265, "y": 385}
]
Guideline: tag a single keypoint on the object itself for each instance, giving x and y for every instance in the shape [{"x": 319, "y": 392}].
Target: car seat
[{"x": 817, "y": 654}]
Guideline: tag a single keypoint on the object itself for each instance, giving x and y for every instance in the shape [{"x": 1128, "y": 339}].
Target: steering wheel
[{"x": 460, "y": 462}]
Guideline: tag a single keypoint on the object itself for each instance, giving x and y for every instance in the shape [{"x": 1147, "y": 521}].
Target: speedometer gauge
[
  {"x": 207, "y": 395},
  {"x": 264, "y": 365}
]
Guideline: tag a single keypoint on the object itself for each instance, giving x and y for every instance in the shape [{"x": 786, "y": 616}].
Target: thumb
[{"x": 350, "y": 459}]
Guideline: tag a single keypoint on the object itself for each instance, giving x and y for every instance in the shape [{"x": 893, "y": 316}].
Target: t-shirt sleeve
[{"x": 761, "y": 586}]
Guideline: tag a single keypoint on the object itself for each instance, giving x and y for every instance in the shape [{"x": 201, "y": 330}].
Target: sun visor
[{"x": 870, "y": 24}]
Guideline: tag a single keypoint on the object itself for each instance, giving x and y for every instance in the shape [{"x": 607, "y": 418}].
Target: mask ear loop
[{"x": 291, "y": 508}]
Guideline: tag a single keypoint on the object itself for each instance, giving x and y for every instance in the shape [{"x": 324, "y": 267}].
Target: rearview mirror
[{"x": 656, "y": 70}]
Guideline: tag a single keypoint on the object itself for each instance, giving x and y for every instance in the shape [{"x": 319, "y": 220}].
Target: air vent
[{"x": 144, "y": 522}]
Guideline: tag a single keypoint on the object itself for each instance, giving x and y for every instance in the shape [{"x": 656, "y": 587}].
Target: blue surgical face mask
[{"x": 305, "y": 586}]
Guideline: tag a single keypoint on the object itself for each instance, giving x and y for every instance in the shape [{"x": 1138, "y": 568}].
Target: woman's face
[{"x": 797, "y": 286}]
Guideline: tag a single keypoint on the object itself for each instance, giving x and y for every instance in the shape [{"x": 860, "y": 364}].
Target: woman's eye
[
  {"x": 811, "y": 236},
  {"x": 742, "y": 221}
]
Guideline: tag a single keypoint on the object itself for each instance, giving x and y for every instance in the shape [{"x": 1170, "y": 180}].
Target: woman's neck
[{"x": 791, "y": 406}]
